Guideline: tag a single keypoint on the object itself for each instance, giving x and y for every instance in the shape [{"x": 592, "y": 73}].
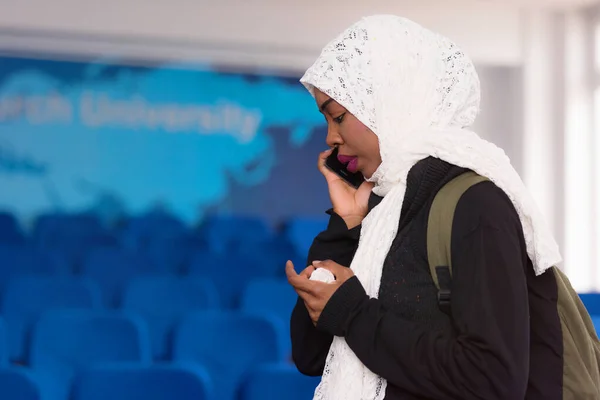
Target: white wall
[
  {"x": 284, "y": 34},
  {"x": 558, "y": 136}
]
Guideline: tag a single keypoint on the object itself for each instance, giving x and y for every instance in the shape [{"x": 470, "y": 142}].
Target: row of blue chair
[
  {"x": 228, "y": 344},
  {"x": 113, "y": 268},
  {"x": 167, "y": 254},
  {"x": 161, "y": 301},
  {"x": 162, "y": 382},
  {"x": 76, "y": 233}
]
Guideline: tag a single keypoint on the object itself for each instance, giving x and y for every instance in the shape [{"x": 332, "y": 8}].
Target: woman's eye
[{"x": 339, "y": 119}]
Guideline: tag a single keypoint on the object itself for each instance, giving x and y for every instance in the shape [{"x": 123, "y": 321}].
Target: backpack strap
[{"x": 439, "y": 233}]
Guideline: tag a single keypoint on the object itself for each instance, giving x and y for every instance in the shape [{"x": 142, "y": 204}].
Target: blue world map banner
[{"x": 76, "y": 136}]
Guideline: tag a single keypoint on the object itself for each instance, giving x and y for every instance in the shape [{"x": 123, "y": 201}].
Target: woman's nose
[{"x": 333, "y": 138}]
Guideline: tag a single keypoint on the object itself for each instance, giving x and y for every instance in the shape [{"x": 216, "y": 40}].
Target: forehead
[
  {"x": 320, "y": 97},
  {"x": 324, "y": 101}
]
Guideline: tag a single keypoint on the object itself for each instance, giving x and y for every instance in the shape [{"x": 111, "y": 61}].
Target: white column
[
  {"x": 560, "y": 155},
  {"x": 594, "y": 26},
  {"x": 580, "y": 223},
  {"x": 542, "y": 94}
]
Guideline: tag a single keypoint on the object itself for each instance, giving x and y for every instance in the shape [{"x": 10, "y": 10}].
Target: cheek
[
  {"x": 361, "y": 140},
  {"x": 375, "y": 146},
  {"x": 370, "y": 143},
  {"x": 355, "y": 134}
]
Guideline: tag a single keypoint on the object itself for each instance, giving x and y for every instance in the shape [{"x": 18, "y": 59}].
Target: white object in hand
[{"x": 322, "y": 275}]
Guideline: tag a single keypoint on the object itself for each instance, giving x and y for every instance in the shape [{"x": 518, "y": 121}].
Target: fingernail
[{"x": 316, "y": 262}]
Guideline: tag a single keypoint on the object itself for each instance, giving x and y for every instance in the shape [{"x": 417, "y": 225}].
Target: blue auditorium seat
[
  {"x": 49, "y": 221},
  {"x": 112, "y": 269},
  {"x": 596, "y": 321},
  {"x": 3, "y": 344},
  {"x": 277, "y": 381},
  {"x": 131, "y": 382},
  {"x": 228, "y": 344},
  {"x": 73, "y": 235},
  {"x": 273, "y": 254},
  {"x": 10, "y": 232},
  {"x": 230, "y": 272},
  {"x": 139, "y": 232},
  {"x": 24, "y": 260},
  {"x": 302, "y": 231},
  {"x": 64, "y": 342},
  {"x": 18, "y": 384},
  {"x": 591, "y": 302},
  {"x": 171, "y": 252},
  {"x": 274, "y": 297},
  {"x": 27, "y": 297},
  {"x": 49, "y": 225},
  {"x": 223, "y": 232},
  {"x": 163, "y": 301}
]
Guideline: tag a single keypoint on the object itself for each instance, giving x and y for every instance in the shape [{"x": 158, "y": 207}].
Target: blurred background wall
[{"x": 194, "y": 106}]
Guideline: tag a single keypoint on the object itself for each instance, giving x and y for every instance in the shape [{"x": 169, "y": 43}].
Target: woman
[{"x": 398, "y": 100}]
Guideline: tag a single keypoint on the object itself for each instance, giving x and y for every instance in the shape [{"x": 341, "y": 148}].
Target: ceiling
[
  {"x": 560, "y": 4},
  {"x": 284, "y": 35}
]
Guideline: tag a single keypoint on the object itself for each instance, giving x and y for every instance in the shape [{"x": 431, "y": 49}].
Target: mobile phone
[{"x": 354, "y": 179}]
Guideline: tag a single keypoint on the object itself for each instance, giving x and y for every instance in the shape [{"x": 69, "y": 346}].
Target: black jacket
[{"x": 487, "y": 349}]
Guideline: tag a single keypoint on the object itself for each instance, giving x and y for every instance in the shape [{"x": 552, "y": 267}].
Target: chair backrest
[
  {"x": 163, "y": 301},
  {"x": 229, "y": 271},
  {"x": 228, "y": 344},
  {"x": 81, "y": 337},
  {"x": 596, "y": 322},
  {"x": 224, "y": 231},
  {"x": 158, "y": 382},
  {"x": 23, "y": 260},
  {"x": 50, "y": 226},
  {"x": 273, "y": 254},
  {"x": 3, "y": 344},
  {"x": 269, "y": 295},
  {"x": 10, "y": 231},
  {"x": 140, "y": 231},
  {"x": 112, "y": 269},
  {"x": 74, "y": 235},
  {"x": 170, "y": 252},
  {"x": 302, "y": 231},
  {"x": 27, "y": 297},
  {"x": 273, "y": 297},
  {"x": 591, "y": 302},
  {"x": 18, "y": 383},
  {"x": 277, "y": 381},
  {"x": 66, "y": 341}
]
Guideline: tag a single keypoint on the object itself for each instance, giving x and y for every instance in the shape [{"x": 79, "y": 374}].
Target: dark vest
[{"x": 406, "y": 285}]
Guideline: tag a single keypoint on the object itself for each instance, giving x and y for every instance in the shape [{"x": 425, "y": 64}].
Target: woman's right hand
[{"x": 349, "y": 203}]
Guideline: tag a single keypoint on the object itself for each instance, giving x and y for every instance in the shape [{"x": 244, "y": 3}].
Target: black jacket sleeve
[
  {"x": 309, "y": 345},
  {"x": 486, "y": 353}
]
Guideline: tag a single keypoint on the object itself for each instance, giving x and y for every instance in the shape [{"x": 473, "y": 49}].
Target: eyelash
[{"x": 338, "y": 120}]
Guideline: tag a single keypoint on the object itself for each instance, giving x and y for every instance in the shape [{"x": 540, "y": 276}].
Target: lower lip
[{"x": 353, "y": 165}]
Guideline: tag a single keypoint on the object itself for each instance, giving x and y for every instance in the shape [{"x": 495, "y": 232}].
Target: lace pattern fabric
[{"x": 418, "y": 92}]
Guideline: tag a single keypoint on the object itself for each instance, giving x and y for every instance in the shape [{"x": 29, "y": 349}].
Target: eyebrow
[{"x": 325, "y": 104}]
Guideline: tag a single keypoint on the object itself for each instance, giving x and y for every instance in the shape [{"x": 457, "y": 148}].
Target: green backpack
[{"x": 581, "y": 347}]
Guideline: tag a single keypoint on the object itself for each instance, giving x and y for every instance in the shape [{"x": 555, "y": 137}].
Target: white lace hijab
[{"x": 419, "y": 93}]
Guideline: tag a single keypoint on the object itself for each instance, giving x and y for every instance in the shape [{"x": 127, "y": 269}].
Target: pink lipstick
[{"x": 350, "y": 161}]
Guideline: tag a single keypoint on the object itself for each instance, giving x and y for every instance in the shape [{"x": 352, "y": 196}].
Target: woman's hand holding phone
[{"x": 349, "y": 203}]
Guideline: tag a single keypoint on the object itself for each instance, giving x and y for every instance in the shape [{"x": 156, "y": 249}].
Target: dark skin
[
  {"x": 316, "y": 294},
  {"x": 353, "y": 138}
]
